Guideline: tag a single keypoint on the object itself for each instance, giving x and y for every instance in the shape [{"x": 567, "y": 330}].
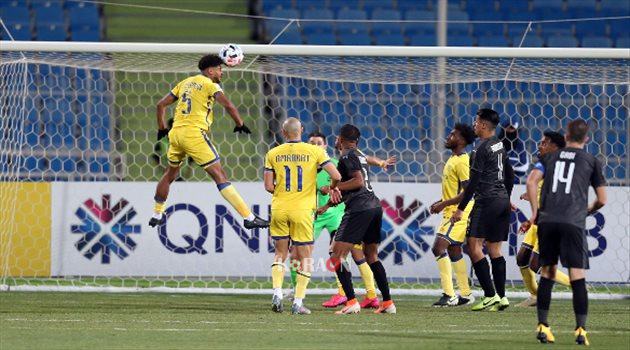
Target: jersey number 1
[
  {"x": 287, "y": 178},
  {"x": 558, "y": 176}
]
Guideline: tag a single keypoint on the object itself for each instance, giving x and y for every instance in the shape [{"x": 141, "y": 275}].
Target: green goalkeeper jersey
[{"x": 323, "y": 179}]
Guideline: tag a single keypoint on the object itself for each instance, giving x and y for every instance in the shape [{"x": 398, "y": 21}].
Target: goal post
[{"x": 79, "y": 159}]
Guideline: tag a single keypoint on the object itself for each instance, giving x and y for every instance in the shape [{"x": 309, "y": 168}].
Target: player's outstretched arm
[
  {"x": 233, "y": 112},
  {"x": 164, "y": 102},
  {"x": 382, "y": 163}
]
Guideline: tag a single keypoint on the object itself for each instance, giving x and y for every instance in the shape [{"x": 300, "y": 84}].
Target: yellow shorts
[
  {"x": 457, "y": 235},
  {"x": 192, "y": 142},
  {"x": 294, "y": 224},
  {"x": 531, "y": 238}
]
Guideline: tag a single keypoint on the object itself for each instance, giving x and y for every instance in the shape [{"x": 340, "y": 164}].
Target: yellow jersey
[
  {"x": 295, "y": 172},
  {"x": 195, "y": 101},
  {"x": 456, "y": 171}
]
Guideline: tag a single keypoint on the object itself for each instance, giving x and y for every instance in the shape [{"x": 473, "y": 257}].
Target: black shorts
[
  {"x": 490, "y": 220},
  {"x": 363, "y": 226},
  {"x": 565, "y": 241}
]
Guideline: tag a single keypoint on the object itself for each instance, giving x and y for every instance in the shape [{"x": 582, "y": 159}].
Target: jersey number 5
[
  {"x": 186, "y": 99},
  {"x": 559, "y": 176},
  {"x": 287, "y": 178}
]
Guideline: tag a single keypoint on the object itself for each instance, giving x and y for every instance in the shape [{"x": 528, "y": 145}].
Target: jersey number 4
[
  {"x": 287, "y": 178},
  {"x": 560, "y": 176}
]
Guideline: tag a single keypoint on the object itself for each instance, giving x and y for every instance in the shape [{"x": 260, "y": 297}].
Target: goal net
[{"x": 79, "y": 158}]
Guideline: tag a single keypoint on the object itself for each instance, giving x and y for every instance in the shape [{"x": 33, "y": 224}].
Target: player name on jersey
[{"x": 293, "y": 158}]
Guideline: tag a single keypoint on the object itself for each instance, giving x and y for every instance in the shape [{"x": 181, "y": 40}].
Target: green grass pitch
[{"x": 185, "y": 321}]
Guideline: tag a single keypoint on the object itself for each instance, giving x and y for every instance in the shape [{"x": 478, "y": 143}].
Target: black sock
[
  {"x": 345, "y": 278},
  {"x": 580, "y": 302},
  {"x": 482, "y": 271},
  {"x": 543, "y": 299},
  {"x": 498, "y": 275},
  {"x": 381, "y": 279}
]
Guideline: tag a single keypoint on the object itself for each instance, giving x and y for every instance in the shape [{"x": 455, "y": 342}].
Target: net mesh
[{"x": 91, "y": 117}]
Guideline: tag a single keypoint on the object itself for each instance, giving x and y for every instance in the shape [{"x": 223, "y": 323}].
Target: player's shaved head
[{"x": 292, "y": 128}]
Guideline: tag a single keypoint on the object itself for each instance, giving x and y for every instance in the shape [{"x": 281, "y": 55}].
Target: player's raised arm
[
  {"x": 232, "y": 111},
  {"x": 382, "y": 163},
  {"x": 164, "y": 102}
]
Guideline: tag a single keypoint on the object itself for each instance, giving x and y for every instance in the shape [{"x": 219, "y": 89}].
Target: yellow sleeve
[
  {"x": 213, "y": 88},
  {"x": 268, "y": 165},
  {"x": 322, "y": 156},
  {"x": 175, "y": 90},
  {"x": 462, "y": 170}
]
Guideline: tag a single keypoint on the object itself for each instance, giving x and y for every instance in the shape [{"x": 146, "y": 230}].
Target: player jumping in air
[
  {"x": 195, "y": 97},
  {"x": 291, "y": 176},
  {"x": 361, "y": 222},
  {"x": 561, "y": 219},
  {"x": 447, "y": 247},
  {"x": 491, "y": 182},
  {"x": 527, "y": 257},
  {"x": 331, "y": 219}
]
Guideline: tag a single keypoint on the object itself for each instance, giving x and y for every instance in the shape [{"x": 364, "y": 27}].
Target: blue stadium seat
[
  {"x": 485, "y": 29},
  {"x": 458, "y": 27},
  {"x": 321, "y": 39},
  {"x": 15, "y": 12},
  {"x": 389, "y": 15},
  {"x": 307, "y": 5},
  {"x": 480, "y": 6},
  {"x": 531, "y": 40},
  {"x": 555, "y": 28},
  {"x": 512, "y": 7},
  {"x": 460, "y": 40},
  {"x": 553, "y": 5},
  {"x": 412, "y": 5},
  {"x": 291, "y": 37},
  {"x": 495, "y": 40},
  {"x": 83, "y": 18},
  {"x": 615, "y": 7},
  {"x": 596, "y": 41},
  {"x": 20, "y": 31},
  {"x": 623, "y": 42},
  {"x": 48, "y": 12},
  {"x": 273, "y": 27},
  {"x": 582, "y": 5},
  {"x": 594, "y": 28},
  {"x": 423, "y": 40},
  {"x": 562, "y": 41},
  {"x": 85, "y": 35},
  {"x": 337, "y": 6},
  {"x": 619, "y": 27},
  {"x": 51, "y": 32},
  {"x": 393, "y": 39},
  {"x": 419, "y": 28},
  {"x": 346, "y": 13},
  {"x": 420, "y": 15},
  {"x": 361, "y": 38}
]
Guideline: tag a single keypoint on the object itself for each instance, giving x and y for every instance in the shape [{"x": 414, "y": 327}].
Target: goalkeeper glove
[
  {"x": 242, "y": 129},
  {"x": 161, "y": 133}
]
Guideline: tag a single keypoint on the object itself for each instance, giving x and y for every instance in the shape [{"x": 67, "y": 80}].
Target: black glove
[
  {"x": 242, "y": 129},
  {"x": 161, "y": 133}
]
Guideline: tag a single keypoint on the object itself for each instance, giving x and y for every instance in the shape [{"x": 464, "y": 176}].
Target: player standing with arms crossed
[
  {"x": 291, "y": 176},
  {"x": 561, "y": 219},
  {"x": 491, "y": 182}
]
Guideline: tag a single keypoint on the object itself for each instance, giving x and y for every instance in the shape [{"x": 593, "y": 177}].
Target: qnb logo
[
  {"x": 408, "y": 240},
  {"x": 104, "y": 231}
]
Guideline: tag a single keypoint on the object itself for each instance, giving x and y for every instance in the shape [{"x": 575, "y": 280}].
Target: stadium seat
[
  {"x": 623, "y": 42},
  {"x": 85, "y": 35},
  {"x": 20, "y": 31},
  {"x": 360, "y": 38},
  {"x": 596, "y": 41},
  {"x": 514, "y": 7},
  {"x": 531, "y": 40},
  {"x": 15, "y": 12},
  {"x": 562, "y": 41},
  {"x": 487, "y": 6},
  {"x": 290, "y": 38},
  {"x": 460, "y": 40},
  {"x": 619, "y": 27},
  {"x": 383, "y": 27},
  {"x": 354, "y": 15},
  {"x": 423, "y": 40},
  {"x": 321, "y": 39},
  {"x": 459, "y": 27},
  {"x": 615, "y": 7},
  {"x": 48, "y": 12},
  {"x": 488, "y": 29},
  {"x": 51, "y": 32},
  {"x": 494, "y": 40},
  {"x": 394, "y": 39},
  {"x": 553, "y": 5},
  {"x": 83, "y": 18},
  {"x": 591, "y": 28}
]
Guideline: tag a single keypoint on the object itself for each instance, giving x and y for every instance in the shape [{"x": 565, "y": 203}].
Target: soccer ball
[{"x": 231, "y": 54}]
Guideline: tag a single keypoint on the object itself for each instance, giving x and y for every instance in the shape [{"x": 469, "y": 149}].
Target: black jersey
[
  {"x": 568, "y": 173},
  {"x": 491, "y": 175},
  {"x": 362, "y": 198}
]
